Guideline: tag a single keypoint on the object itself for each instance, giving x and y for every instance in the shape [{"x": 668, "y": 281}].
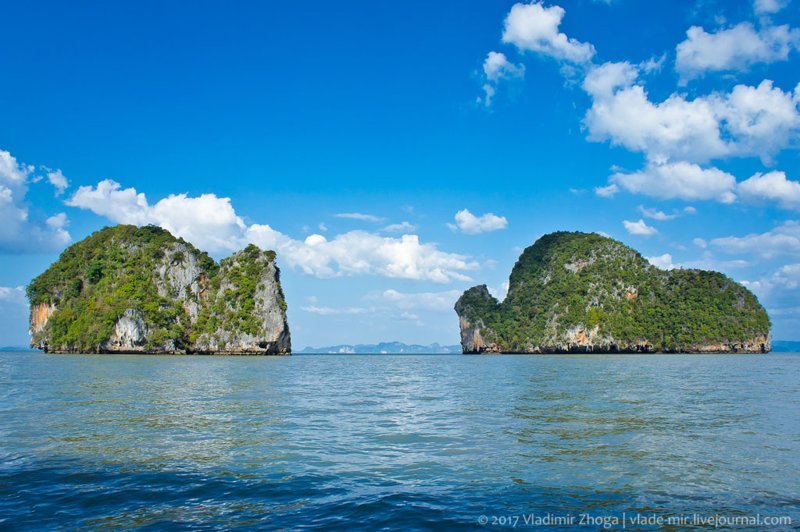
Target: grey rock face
[
  {"x": 180, "y": 277},
  {"x": 268, "y": 331},
  {"x": 129, "y": 334},
  {"x": 467, "y": 307}
]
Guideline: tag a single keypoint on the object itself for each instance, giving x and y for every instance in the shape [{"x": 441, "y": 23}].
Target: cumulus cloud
[
  {"x": 58, "y": 180},
  {"x": 211, "y": 223},
  {"x": 639, "y": 228},
  {"x": 535, "y": 28},
  {"x": 15, "y": 294},
  {"x": 748, "y": 121},
  {"x": 18, "y": 232},
  {"x": 334, "y": 311},
  {"x": 662, "y": 261},
  {"x": 760, "y": 121},
  {"x": 679, "y": 180},
  {"x": 782, "y": 240},
  {"x": 402, "y": 227},
  {"x": 655, "y": 214},
  {"x": 496, "y": 68},
  {"x": 207, "y": 221},
  {"x": 691, "y": 182},
  {"x": 435, "y": 301},
  {"x": 499, "y": 292},
  {"x": 608, "y": 191},
  {"x": 733, "y": 49},
  {"x": 681, "y": 135},
  {"x": 768, "y": 7},
  {"x": 654, "y": 64},
  {"x": 359, "y": 216},
  {"x": 779, "y": 289},
  {"x": 772, "y": 187},
  {"x": 360, "y": 252},
  {"x": 673, "y": 129},
  {"x": 468, "y": 223},
  {"x": 781, "y": 286},
  {"x": 603, "y": 80}
]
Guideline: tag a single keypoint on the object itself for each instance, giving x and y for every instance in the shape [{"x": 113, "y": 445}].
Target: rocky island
[
  {"x": 575, "y": 292},
  {"x": 128, "y": 289}
]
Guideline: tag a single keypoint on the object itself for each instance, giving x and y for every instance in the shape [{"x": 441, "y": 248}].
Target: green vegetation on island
[
  {"x": 579, "y": 292},
  {"x": 140, "y": 289}
]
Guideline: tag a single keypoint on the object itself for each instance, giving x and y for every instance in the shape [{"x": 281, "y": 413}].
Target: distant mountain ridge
[{"x": 384, "y": 348}]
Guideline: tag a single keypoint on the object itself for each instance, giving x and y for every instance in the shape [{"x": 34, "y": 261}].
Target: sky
[{"x": 395, "y": 154}]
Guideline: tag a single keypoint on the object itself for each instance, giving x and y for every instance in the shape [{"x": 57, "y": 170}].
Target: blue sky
[{"x": 349, "y": 137}]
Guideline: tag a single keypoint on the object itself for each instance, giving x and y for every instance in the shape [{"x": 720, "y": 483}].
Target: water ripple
[{"x": 400, "y": 442}]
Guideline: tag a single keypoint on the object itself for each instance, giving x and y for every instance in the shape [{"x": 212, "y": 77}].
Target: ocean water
[{"x": 397, "y": 442}]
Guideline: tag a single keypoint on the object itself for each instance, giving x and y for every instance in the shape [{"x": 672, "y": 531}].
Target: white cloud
[
  {"x": 654, "y": 64},
  {"x": 15, "y": 294},
  {"x": 602, "y": 81},
  {"x": 359, "y": 253},
  {"x": 772, "y": 186},
  {"x": 534, "y": 27},
  {"x": 639, "y": 228},
  {"x": 332, "y": 311},
  {"x": 402, "y": 227},
  {"x": 208, "y": 221},
  {"x": 470, "y": 224},
  {"x": 699, "y": 242},
  {"x": 12, "y": 173},
  {"x": 735, "y": 48},
  {"x": 748, "y": 121},
  {"x": 410, "y": 316},
  {"x": 499, "y": 292},
  {"x": 759, "y": 120},
  {"x": 680, "y": 180},
  {"x": 680, "y": 133},
  {"x": 675, "y": 128},
  {"x": 435, "y": 301},
  {"x": 655, "y": 214},
  {"x": 211, "y": 223},
  {"x": 110, "y": 200},
  {"x": 608, "y": 191},
  {"x": 782, "y": 240},
  {"x": 359, "y": 216},
  {"x": 18, "y": 233},
  {"x": 662, "y": 261},
  {"x": 768, "y": 7},
  {"x": 58, "y": 180},
  {"x": 779, "y": 288},
  {"x": 496, "y": 68}
]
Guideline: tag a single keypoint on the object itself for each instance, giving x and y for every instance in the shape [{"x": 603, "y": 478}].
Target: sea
[{"x": 364, "y": 442}]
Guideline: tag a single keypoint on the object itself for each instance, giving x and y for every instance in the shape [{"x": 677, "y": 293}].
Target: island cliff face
[
  {"x": 580, "y": 293},
  {"x": 130, "y": 289}
]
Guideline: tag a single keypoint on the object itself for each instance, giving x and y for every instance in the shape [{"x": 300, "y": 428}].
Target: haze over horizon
[{"x": 395, "y": 157}]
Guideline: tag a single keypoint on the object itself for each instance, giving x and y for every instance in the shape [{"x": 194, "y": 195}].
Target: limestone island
[
  {"x": 128, "y": 289},
  {"x": 575, "y": 292}
]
